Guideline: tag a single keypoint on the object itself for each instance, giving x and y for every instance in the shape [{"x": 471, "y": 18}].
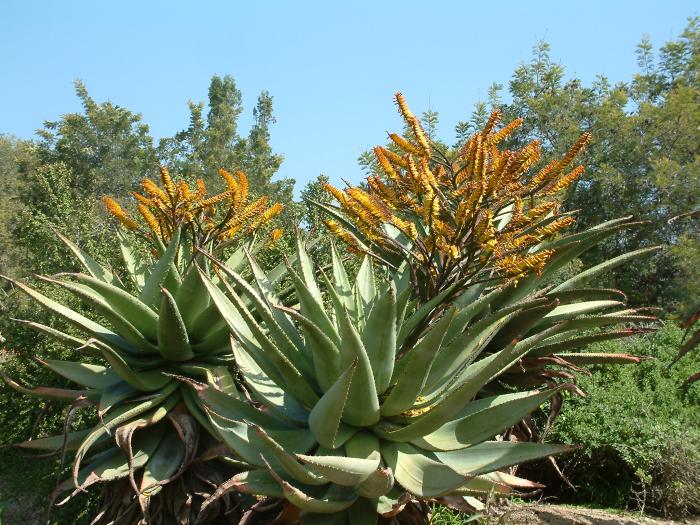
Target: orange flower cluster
[
  {"x": 454, "y": 215},
  {"x": 222, "y": 217}
]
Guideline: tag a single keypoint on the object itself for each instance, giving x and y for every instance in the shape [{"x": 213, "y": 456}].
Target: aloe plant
[
  {"x": 142, "y": 338},
  {"x": 352, "y": 422}
]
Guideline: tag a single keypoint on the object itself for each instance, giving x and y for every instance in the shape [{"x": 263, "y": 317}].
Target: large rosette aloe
[
  {"x": 140, "y": 338},
  {"x": 353, "y": 414}
]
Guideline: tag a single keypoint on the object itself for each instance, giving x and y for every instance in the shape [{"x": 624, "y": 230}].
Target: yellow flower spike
[
  {"x": 143, "y": 200},
  {"x": 385, "y": 164},
  {"x": 542, "y": 175},
  {"x": 275, "y": 235},
  {"x": 395, "y": 159},
  {"x": 201, "y": 188},
  {"x": 215, "y": 199},
  {"x": 387, "y": 194},
  {"x": 491, "y": 123},
  {"x": 337, "y": 194},
  {"x": 243, "y": 185},
  {"x": 403, "y": 107},
  {"x": 231, "y": 182},
  {"x": 154, "y": 191},
  {"x": 554, "y": 227},
  {"x": 168, "y": 184},
  {"x": 578, "y": 146},
  {"x": 541, "y": 209},
  {"x": 405, "y": 145},
  {"x": 564, "y": 182},
  {"x": 118, "y": 213},
  {"x": 420, "y": 136},
  {"x": 504, "y": 132},
  {"x": 150, "y": 219}
]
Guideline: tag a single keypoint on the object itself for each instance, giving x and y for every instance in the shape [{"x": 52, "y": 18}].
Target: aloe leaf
[
  {"x": 269, "y": 294},
  {"x": 342, "y": 470},
  {"x": 113, "y": 394},
  {"x": 483, "y": 419},
  {"x": 163, "y": 463},
  {"x": 71, "y": 441},
  {"x": 192, "y": 297},
  {"x": 365, "y": 284},
  {"x": 293, "y": 376},
  {"x": 230, "y": 408},
  {"x": 465, "y": 387},
  {"x": 418, "y": 473},
  {"x": 67, "y": 339},
  {"x": 159, "y": 273},
  {"x": 336, "y": 498},
  {"x": 313, "y": 309},
  {"x": 85, "y": 374},
  {"x": 362, "y": 407},
  {"x": 569, "y": 311},
  {"x": 324, "y": 353},
  {"x": 575, "y": 294},
  {"x": 278, "y": 336},
  {"x": 289, "y": 462},
  {"x": 99, "y": 304},
  {"x": 464, "y": 348},
  {"x": 603, "y": 267},
  {"x": 146, "y": 381},
  {"x": 415, "y": 367},
  {"x": 136, "y": 267},
  {"x": 599, "y": 358},
  {"x": 144, "y": 318},
  {"x": 91, "y": 265},
  {"x": 244, "y": 440},
  {"x": 379, "y": 338},
  {"x": 173, "y": 341},
  {"x": 116, "y": 418},
  {"x": 325, "y": 419},
  {"x": 80, "y": 321},
  {"x": 419, "y": 315},
  {"x": 266, "y": 390},
  {"x": 546, "y": 348},
  {"x": 307, "y": 271},
  {"x": 342, "y": 284},
  {"x": 494, "y": 455},
  {"x": 45, "y": 392}
]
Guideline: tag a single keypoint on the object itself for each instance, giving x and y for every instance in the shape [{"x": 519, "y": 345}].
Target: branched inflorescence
[
  {"x": 441, "y": 212},
  {"x": 221, "y": 218}
]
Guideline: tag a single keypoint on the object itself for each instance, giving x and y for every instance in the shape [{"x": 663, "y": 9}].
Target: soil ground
[{"x": 546, "y": 514}]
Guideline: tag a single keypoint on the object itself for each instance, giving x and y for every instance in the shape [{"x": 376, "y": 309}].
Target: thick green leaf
[
  {"x": 325, "y": 419},
  {"x": 91, "y": 265},
  {"x": 362, "y": 407},
  {"x": 414, "y": 367},
  {"x": 150, "y": 294},
  {"x": 418, "y": 473},
  {"x": 80, "y": 321},
  {"x": 483, "y": 419},
  {"x": 379, "y": 338},
  {"x": 144, "y": 318},
  {"x": 494, "y": 455},
  {"x": 85, "y": 374},
  {"x": 347, "y": 471},
  {"x": 173, "y": 341}
]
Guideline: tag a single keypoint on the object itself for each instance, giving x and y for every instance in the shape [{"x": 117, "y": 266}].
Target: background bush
[{"x": 639, "y": 434}]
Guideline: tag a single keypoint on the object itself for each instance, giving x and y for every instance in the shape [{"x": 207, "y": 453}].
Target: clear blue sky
[{"x": 331, "y": 66}]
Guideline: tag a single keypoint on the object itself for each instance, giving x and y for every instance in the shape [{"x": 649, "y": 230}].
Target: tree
[{"x": 213, "y": 143}]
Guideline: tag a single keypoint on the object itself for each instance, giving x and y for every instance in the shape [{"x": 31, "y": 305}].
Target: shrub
[{"x": 639, "y": 432}]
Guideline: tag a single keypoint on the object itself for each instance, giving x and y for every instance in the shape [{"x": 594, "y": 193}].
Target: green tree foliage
[
  {"x": 214, "y": 142},
  {"x": 644, "y": 159}
]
